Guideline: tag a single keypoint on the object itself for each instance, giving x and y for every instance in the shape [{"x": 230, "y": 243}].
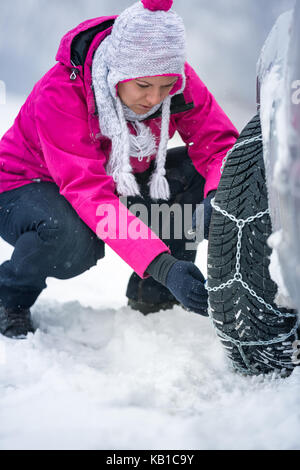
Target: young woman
[{"x": 94, "y": 130}]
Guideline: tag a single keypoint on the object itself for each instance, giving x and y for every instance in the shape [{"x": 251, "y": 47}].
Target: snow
[
  {"x": 272, "y": 70},
  {"x": 282, "y": 297},
  {"x": 97, "y": 375}
]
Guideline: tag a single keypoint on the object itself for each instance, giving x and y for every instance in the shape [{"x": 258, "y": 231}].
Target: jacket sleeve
[
  {"x": 206, "y": 130},
  {"x": 77, "y": 165}
]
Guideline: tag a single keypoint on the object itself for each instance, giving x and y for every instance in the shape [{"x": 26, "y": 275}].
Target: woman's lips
[{"x": 145, "y": 107}]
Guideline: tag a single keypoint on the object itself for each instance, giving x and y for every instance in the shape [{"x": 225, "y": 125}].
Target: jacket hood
[{"x": 75, "y": 44}]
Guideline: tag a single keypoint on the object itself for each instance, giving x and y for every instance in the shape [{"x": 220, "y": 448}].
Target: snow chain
[{"x": 240, "y": 223}]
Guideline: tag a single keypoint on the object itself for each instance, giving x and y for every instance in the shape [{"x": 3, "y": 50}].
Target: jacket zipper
[{"x": 74, "y": 73}]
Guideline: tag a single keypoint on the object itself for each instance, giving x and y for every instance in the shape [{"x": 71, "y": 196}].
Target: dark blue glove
[
  {"x": 206, "y": 207},
  {"x": 186, "y": 283}
]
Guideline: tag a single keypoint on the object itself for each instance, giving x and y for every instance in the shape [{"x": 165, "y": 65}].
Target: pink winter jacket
[{"x": 56, "y": 137}]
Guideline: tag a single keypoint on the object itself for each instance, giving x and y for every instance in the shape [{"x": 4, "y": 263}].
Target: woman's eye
[{"x": 147, "y": 86}]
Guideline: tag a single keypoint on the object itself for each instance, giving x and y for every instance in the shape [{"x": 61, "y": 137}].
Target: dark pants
[{"x": 51, "y": 240}]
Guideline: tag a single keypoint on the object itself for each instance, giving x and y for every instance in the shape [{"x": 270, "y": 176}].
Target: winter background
[{"x": 97, "y": 375}]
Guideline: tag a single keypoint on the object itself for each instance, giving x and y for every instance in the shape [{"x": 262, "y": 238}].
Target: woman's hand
[{"x": 186, "y": 283}]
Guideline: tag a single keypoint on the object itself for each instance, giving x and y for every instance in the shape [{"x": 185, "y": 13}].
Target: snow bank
[{"x": 111, "y": 378}]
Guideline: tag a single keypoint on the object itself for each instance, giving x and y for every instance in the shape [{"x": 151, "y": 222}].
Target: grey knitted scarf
[{"x": 117, "y": 59}]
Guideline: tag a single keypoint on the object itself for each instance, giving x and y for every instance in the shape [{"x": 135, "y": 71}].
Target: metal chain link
[
  {"x": 240, "y": 224},
  {"x": 278, "y": 339},
  {"x": 238, "y": 145}
]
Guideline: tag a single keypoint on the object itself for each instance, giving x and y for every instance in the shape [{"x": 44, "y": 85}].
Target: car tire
[{"x": 258, "y": 336}]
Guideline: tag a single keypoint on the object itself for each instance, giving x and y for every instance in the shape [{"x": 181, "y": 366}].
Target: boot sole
[{"x": 146, "y": 308}]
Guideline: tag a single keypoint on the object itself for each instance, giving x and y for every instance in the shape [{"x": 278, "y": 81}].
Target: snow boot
[
  {"x": 146, "y": 308},
  {"x": 15, "y": 322},
  {"x": 149, "y": 296}
]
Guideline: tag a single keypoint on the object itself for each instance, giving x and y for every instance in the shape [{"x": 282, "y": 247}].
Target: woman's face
[{"x": 141, "y": 94}]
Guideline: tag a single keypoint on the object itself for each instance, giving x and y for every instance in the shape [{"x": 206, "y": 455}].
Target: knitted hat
[{"x": 147, "y": 39}]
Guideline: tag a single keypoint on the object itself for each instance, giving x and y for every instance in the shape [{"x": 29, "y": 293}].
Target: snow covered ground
[{"x": 97, "y": 375}]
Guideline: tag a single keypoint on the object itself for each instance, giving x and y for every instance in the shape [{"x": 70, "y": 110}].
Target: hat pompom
[{"x": 155, "y": 5}]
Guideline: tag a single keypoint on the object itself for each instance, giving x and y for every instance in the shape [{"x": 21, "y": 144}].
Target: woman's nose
[{"x": 154, "y": 97}]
